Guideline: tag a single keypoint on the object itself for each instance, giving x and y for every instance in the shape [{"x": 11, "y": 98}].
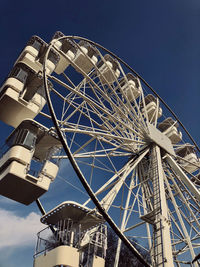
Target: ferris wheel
[{"x": 137, "y": 162}]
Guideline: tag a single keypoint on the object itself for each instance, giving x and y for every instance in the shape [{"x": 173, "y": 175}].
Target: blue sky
[{"x": 159, "y": 39}]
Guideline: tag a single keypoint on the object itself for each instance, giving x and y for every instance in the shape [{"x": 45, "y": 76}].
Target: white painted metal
[
  {"x": 83, "y": 60},
  {"x": 113, "y": 129},
  {"x": 183, "y": 177},
  {"x": 106, "y": 202},
  {"x": 13, "y": 108},
  {"x": 170, "y": 128},
  {"x": 131, "y": 87},
  {"x": 160, "y": 139},
  {"x": 28, "y": 142},
  {"x": 187, "y": 237},
  {"x": 70, "y": 245},
  {"x": 32, "y": 56},
  {"x": 188, "y": 158},
  {"x": 124, "y": 221},
  {"x": 107, "y": 71},
  {"x": 152, "y": 110},
  {"x": 66, "y": 47},
  {"x": 118, "y": 123},
  {"x": 163, "y": 249}
]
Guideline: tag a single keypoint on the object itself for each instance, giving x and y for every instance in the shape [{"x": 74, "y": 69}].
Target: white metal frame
[{"x": 115, "y": 128}]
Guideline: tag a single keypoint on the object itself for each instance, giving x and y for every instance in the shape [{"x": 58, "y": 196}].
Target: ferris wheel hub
[{"x": 160, "y": 139}]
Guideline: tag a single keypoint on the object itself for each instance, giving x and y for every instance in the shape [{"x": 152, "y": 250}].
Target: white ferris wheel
[{"x": 137, "y": 162}]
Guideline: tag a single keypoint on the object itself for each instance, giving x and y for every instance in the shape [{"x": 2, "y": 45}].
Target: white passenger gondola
[
  {"x": 22, "y": 95},
  {"x": 34, "y": 53},
  {"x": 170, "y": 128},
  {"x": 78, "y": 237},
  {"x": 152, "y": 110},
  {"x": 86, "y": 57},
  {"x": 66, "y": 47},
  {"x": 29, "y": 143},
  {"x": 131, "y": 87},
  {"x": 108, "y": 70},
  {"x": 190, "y": 161}
]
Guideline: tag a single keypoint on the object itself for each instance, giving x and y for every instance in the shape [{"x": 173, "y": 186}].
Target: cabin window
[
  {"x": 24, "y": 138},
  {"x": 37, "y": 45}
]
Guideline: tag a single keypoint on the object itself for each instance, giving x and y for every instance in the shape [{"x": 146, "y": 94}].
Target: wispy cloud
[{"x": 18, "y": 231}]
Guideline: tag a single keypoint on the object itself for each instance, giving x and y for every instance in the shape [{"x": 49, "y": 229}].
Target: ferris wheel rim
[
  {"x": 137, "y": 171},
  {"x": 81, "y": 176},
  {"x": 139, "y": 76},
  {"x": 49, "y": 95}
]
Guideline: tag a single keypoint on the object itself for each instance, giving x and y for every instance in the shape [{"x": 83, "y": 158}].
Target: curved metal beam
[
  {"x": 140, "y": 77},
  {"x": 81, "y": 176}
]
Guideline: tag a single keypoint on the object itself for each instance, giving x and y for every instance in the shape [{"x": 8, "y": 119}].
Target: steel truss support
[
  {"x": 192, "y": 188},
  {"x": 123, "y": 224},
  {"x": 162, "y": 254}
]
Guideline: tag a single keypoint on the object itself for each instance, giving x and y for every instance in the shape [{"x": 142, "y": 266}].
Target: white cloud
[{"x": 18, "y": 231}]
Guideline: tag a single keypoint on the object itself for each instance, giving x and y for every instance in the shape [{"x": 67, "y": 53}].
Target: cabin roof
[{"x": 79, "y": 214}]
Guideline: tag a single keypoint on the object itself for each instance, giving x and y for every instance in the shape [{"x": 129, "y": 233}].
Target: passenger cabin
[
  {"x": 26, "y": 164},
  {"x": 66, "y": 49},
  {"x": 190, "y": 160},
  {"x": 170, "y": 128},
  {"x": 34, "y": 53},
  {"x": 151, "y": 108},
  {"x": 86, "y": 57},
  {"x": 108, "y": 70},
  {"x": 22, "y": 95},
  {"x": 131, "y": 87},
  {"x": 75, "y": 236}
]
